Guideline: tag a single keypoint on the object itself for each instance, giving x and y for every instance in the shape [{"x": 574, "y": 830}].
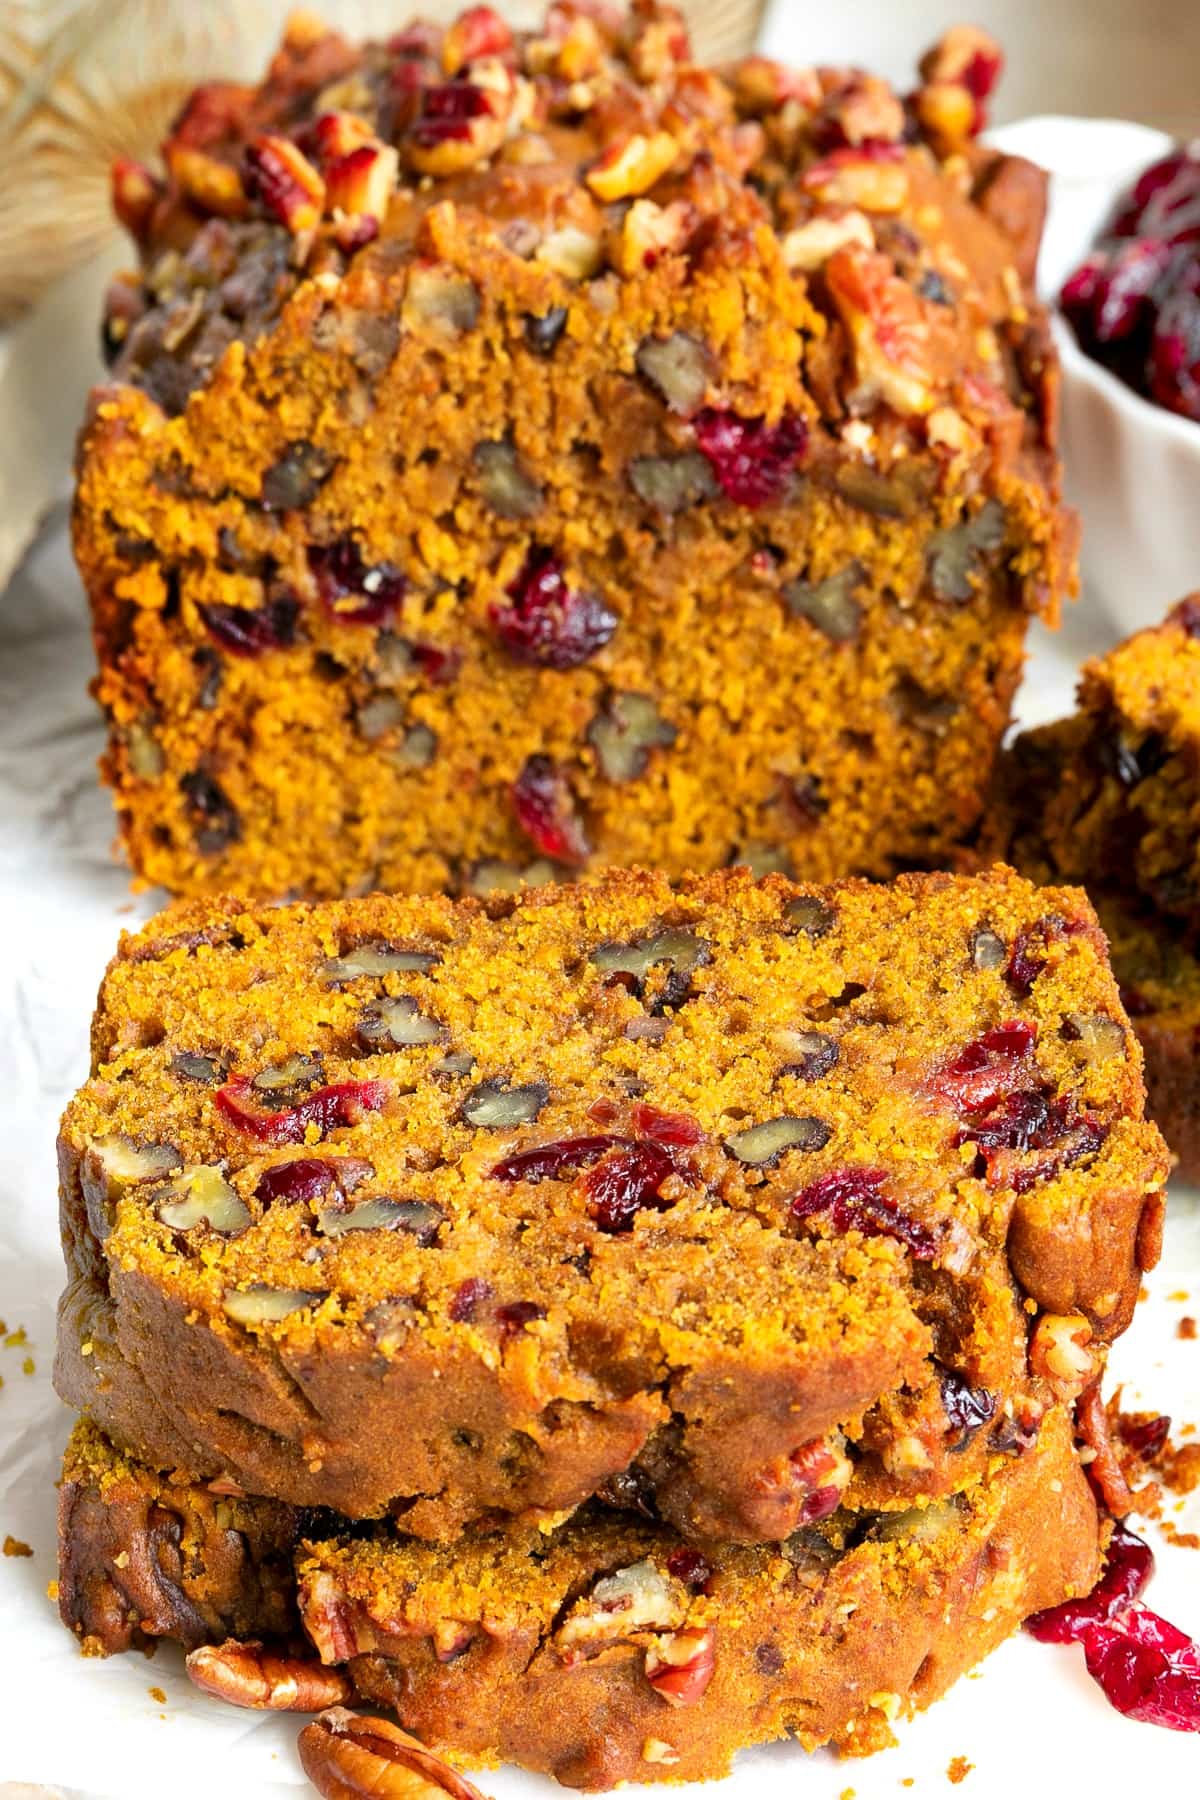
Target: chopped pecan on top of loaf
[{"x": 527, "y": 452}]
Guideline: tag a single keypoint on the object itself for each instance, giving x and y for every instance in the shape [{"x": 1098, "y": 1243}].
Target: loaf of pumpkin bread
[{"x": 530, "y": 452}]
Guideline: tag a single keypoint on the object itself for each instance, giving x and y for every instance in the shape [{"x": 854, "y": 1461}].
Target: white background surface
[{"x": 1030, "y": 1721}]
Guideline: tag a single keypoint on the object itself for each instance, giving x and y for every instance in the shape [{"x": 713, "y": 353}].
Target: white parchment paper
[{"x": 1029, "y": 1721}]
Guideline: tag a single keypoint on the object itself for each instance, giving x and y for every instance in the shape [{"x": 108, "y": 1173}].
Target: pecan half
[
  {"x": 1091, "y": 1422},
  {"x": 1059, "y": 1354},
  {"x": 247, "y": 1675},
  {"x": 344, "y": 1755}
]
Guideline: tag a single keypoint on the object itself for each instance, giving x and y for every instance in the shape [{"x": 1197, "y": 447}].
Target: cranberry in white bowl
[{"x": 1132, "y": 462}]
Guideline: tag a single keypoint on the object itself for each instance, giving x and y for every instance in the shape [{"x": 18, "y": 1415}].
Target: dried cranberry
[
  {"x": 1165, "y": 201},
  {"x": 327, "y": 1108},
  {"x": 986, "y": 1069},
  {"x": 447, "y": 111},
  {"x": 514, "y": 1317},
  {"x": 768, "y": 1659},
  {"x": 966, "y": 1407},
  {"x": 750, "y": 459},
  {"x": 249, "y": 630},
  {"x": 1134, "y": 303},
  {"x": 979, "y": 77},
  {"x": 549, "y": 624},
  {"x": 352, "y": 592},
  {"x": 1031, "y": 1120},
  {"x": 545, "y": 808},
  {"x": 1023, "y": 1121},
  {"x": 1174, "y": 363},
  {"x": 820, "y": 1504},
  {"x": 1066, "y": 1140},
  {"x": 1109, "y": 298},
  {"x": 1030, "y": 946},
  {"x": 547, "y": 1162},
  {"x": 1127, "y": 1569},
  {"x": 676, "y": 1129},
  {"x": 1146, "y": 1436},
  {"x": 1148, "y": 1669},
  {"x": 690, "y": 1567},
  {"x": 467, "y": 1296},
  {"x": 618, "y": 1188},
  {"x": 855, "y": 1201},
  {"x": 308, "y": 1177}
]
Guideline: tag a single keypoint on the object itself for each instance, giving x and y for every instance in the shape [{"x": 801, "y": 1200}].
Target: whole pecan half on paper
[
  {"x": 346, "y": 1756},
  {"x": 247, "y": 1675}
]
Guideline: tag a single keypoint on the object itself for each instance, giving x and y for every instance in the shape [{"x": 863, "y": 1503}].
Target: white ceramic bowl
[{"x": 1132, "y": 468}]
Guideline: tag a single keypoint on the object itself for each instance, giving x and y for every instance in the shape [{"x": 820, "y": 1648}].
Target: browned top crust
[{"x": 882, "y": 257}]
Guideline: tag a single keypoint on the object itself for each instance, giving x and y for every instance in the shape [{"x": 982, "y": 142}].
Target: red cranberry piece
[
  {"x": 1165, "y": 201},
  {"x": 986, "y": 1069},
  {"x": 1127, "y": 1569},
  {"x": 1021, "y": 1121},
  {"x": 545, "y": 809},
  {"x": 750, "y": 459},
  {"x": 1109, "y": 298},
  {"x": 690, "y": 1567},
  {"x": 674, "y": 1129},
  {"x": 966, "y": 1407},
  {"x": 1148, "y": 1669},
  {"x": 814, "y": 1463},
  {"x": 309, "y": 1177},
  {"x": 447, "y": 111},
  {"x": 1174, "y": 368},
  {"x": 1028, "y": 957},
  {"x": 514, "y": 1317},
  {"x": 979, "y": 78},
  {"x": 549, "y": 624},
  {"x": 1063, "y": 1141},
  {"x": 467, "y": 1297},
  {"x": 1145, "y": 1437},
  {"x": 819, "y": 1505},
  {"x": 618, "y": 1188},
  {"x": 547, "y": 1162},
  {"x": 249, "y": 630},
  {"x": 1030, "y": 1120},
  {"x": 855, "y": 1201},
  {"x": 342, "y": 1103},
  {"x": 352, "y": 592}
]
